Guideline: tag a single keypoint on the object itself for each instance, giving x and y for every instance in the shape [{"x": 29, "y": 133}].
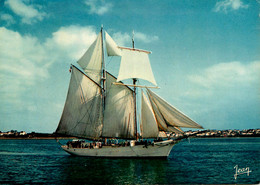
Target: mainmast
[{"x": 135, "y": 104}]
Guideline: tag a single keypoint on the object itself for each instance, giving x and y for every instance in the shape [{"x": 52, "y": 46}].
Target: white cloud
[
  {"x": 29, "y": 13},
  {"x": 125, "y": 39},
  {"x": 228, "y": 5},
  {"x": 71, "y": 41},
  {"x": 23, "y": 63},
  {"x": 225, "y": 77},
  {"x": 122, "y": 38},
  {"x": 99, "y": 7},
  {"x": 224, "y": 92},
  {"x": 145, "y": 38},
  {"x": 228, "y": 74},
  {"x": 8, "y": 19}
]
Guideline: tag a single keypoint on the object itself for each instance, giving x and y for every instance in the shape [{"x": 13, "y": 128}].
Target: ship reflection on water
[{"x": 114, "y": 171}]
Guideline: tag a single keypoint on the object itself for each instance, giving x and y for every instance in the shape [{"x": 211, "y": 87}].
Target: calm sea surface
[{"x": 199, "y": 161}]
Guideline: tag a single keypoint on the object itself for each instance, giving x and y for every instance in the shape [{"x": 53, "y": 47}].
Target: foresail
[
  {"x": 119, "y": 111},
  {"x": 149, "y": 126},
  {"x": 170, "y": 114},
  {"x": 175, "y": 129},
  {"x": 82, "y": 113},
  {"x": 160, "y": 120},
  {"x": 162, "y": 123},
  {"x": 111, "y": 46},
  {"x": 91, "y": 61},
  {"x": 135, "y": 64}
]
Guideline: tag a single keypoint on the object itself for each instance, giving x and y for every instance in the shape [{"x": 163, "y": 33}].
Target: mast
[
  {"x": 135, "y": 109},
  {"x": 103, "y": 79}
]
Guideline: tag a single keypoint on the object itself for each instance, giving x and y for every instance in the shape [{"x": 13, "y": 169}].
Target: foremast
[{"x": 103, "y": 79}]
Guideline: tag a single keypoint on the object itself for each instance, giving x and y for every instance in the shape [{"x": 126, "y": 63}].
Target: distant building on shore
[{"x": 13, "y": 133}]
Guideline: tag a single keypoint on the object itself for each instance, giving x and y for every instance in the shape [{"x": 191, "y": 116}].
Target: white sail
[
  {"x": 91, "y": 61},
  {"x": 111, "y": 46},
  {"x": 170, "y": 114},
  {"x": 82, "y": 114},
  {"x": 149, "y": 126},
  {"x": 162, "y": 123},
  {"x": 119, "y": 111},
  {"x": 175, "y": 129},
  {"x": 135, "y": 64},
  {"x": 162, "y": 134},
  {"x": 160, "y": 120}
]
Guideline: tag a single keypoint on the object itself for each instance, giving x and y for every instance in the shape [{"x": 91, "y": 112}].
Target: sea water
[{"x": 194, "y": 161}]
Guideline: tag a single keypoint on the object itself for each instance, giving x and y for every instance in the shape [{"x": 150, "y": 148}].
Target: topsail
[
  {"x": 112, "y": 48},
  {"x": 135, "y": 64},
  {"x": 91, "y": 61}
]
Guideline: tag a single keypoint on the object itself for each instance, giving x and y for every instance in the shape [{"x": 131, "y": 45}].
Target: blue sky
[{"x": 205, "y": 56}]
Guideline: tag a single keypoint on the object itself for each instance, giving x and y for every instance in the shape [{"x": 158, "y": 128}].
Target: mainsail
[
  {"x": 119, "y": 110},
  {"x": 82, "y": 114}
]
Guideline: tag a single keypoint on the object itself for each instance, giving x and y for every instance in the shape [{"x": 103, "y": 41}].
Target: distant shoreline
[
  {"x": 63, "y": 138},
  {"x": 34, "y": 138},
  {"x": 248, "y": 133},
  {"x": 34, "y": 135}
]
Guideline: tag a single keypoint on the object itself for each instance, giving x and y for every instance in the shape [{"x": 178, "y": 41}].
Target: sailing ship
[{"x": 100, "y": 107}]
